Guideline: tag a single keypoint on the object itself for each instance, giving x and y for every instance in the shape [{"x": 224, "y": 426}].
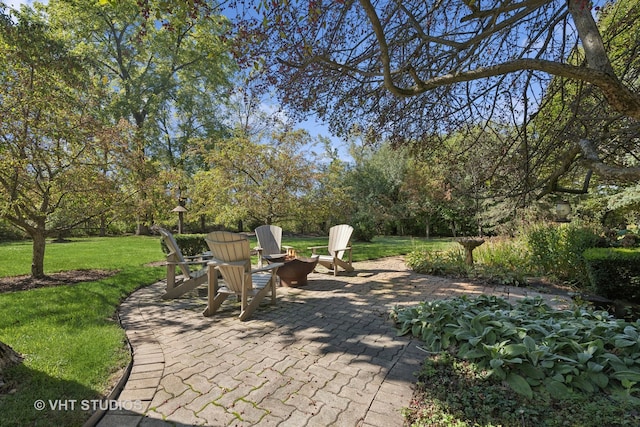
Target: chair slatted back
[
  {"x": 269, "y": 239},
  {"x": 232, "y": 248},
  {"x": 224, "y": 236},
  {"x": 175, "y": 254},
  {"x": 339, "y": 236}
]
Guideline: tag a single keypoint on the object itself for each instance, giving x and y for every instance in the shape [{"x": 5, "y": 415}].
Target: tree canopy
[
  {"x": 487, "y": 100},
  {"x": 418, "y": 70},
  {"x": 52, "y": 146},
  {"x": 260, "y": 183},
  {"x": 168, "y": 75}
]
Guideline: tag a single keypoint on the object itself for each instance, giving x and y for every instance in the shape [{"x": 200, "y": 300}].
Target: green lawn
[
  {"x": 68, "y": 335},
  {"x": 110, "y": 253},
  {"x": 380, "y": 247}
]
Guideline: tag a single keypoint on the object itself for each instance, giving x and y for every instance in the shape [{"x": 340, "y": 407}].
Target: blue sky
[{"x": 16, "y": 3}]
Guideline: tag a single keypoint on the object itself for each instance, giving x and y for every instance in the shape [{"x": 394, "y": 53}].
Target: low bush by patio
[
  {"x": 493, "y": 363},
  {"x": 552, "y": 251}
]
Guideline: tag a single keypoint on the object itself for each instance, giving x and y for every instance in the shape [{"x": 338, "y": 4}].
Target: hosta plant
[{"x": 531, "y": 346}]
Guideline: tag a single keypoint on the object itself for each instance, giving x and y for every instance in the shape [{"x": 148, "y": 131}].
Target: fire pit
[{"x": 295, "y": 269}]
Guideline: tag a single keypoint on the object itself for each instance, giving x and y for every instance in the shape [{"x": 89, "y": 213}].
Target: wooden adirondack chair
[
  {"x": 339, "y": 236},
  {"x": 190, "y": 279},
  {"x": 223, "y": 236},
  {"x": 232, "y": 258},
  {"x": 269, "y": 242}
]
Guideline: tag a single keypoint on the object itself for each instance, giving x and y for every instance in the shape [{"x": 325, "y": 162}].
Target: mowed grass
[
  {"x": 379, "y": 247},
  {"x": 69, "y": 337},
  {"x": 109, "y": 253}
]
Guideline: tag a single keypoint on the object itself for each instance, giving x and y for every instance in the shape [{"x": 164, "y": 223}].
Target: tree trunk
[
  {"x": 142, "y": 227},
  {"x": 8, "y": 357},
  {"x": 620, "y": 97},
  {"x": 103, "y": 225},
  {"x": 37, "y": 260}
]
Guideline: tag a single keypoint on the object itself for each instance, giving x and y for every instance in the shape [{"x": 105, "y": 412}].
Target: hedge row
[
  {"x": 614, "y": 273},
  {"x": 189, "y": 244}
]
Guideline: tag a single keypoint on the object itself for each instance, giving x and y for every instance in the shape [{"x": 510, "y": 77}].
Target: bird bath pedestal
[{"x": 469, "y": 244}]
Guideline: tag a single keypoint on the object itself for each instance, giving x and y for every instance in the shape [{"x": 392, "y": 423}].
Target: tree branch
[{"x": 618, "y": 172}]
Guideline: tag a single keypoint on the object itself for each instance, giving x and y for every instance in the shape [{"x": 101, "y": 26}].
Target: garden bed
[{"x": 23, "y": 283}]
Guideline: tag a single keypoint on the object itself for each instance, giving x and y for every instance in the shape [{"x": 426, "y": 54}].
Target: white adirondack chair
[
  {"x": 339, "y": 236},
  {"x": 232, "y": 259},
  {"x": 190, "y": 279},
  {"x": 269, "y": 242}
]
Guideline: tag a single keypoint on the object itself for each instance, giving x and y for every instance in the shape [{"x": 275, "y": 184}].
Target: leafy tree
[
  {"x": 375, "y": 181},
  {"x": 168, "y": 76},
  {"x": 331, "y": 198},
  {"x": 572, "y": 110},
  {"x": 426, "y": 192},
  {"x": 626, "y": 203},
  {"x": 52, "y": 175},
  {"x": 396, "y": 191},
  {"x": 263, "y": 183},
  {"x": 416, "y": 70}
]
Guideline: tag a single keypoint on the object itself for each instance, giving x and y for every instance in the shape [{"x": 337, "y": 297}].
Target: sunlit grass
[
  {"x": 68, "y": 336},
  {"x": 109, "y": 253},
  {"x": 379, "y": 247}
]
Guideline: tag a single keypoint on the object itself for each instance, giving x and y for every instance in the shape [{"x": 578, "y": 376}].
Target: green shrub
[
  {"x": 10, "y": 233},
  {"x": 189, "y": 244},
  {"x": 438, "y": 263},
  {"x": 556, "y": 250},
  {"x": 453, "y": 392},
  {"x": 628, "y": 240},
  {"x": 505, "y": 260},
  {"x": 364, "y": 228},
  {"x": 532, "y": 347},
  {"x": 500, "y": 251},
  {"x": 614, "y": 273},
  {"x": 552, "y": 250},
  {"x": 499, "y": 259}
]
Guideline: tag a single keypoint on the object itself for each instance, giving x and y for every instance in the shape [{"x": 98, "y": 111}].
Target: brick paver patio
[{"x": 325, "y": 355}]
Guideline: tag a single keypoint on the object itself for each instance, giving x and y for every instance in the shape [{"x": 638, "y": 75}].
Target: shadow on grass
[
  {"x": 68, "y": 331},
  {"x": 38, "y": 399}
]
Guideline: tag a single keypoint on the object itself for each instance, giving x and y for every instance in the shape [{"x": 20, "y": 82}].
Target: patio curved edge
[
  {"x": 95, "y": 418},
  {"x": 129, "y": 402}
]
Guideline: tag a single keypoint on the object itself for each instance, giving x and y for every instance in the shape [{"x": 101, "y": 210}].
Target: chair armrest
[
  {"x": 286, "y": 247},
  {"x": 314, "y": 248},
  {"x": 348, "y": 248},
  {"x": 268, "y": 267},
  {"x": 199, "y": 256},
  {"x": 201, "y": 262},
  {"x": 218, "y": 263}
]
